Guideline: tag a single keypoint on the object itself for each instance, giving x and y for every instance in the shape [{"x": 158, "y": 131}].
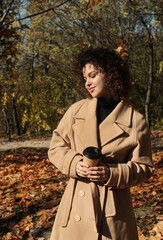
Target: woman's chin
[{"x": 94, "y": 95}]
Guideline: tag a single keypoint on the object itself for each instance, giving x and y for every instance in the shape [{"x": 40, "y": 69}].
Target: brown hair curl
[{"x": 109, "y": 62}]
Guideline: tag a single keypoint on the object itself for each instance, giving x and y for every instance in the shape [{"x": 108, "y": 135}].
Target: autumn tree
[
  {"x": 18, "y": 94},
  {"x": 140, "y": 32},
  {"x": 38, "y": 85},
  {"x": 147, "y": 24},
  {"x": 8, "y": 50}
]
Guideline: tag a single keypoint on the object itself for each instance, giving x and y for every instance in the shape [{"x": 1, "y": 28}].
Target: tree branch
[
  {"x": 36, "y": 14},
  {"x": 5, "y": 14}
]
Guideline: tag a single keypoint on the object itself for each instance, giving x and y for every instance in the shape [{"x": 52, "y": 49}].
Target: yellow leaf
[
  {"x": 34, "y": 7},
  {"x": 91, "y": 3},
  {"x": 161, "y": 178},
  {"x": 119, "y": 49},
  {"x": 10, "y": 236},
  {"x": 13, "y": 94},
  {"x": 125, "y": 4},
  {"x": 15, "y": 23},
  {"x": 122, "y": 49},
  {"x": 124, "y": 54}
]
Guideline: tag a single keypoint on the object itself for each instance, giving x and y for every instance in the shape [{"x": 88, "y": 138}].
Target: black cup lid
[{"x": 91, "y": 152}]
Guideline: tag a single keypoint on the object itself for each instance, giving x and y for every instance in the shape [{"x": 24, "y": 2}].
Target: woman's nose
[{"x": 88, "y": 82}]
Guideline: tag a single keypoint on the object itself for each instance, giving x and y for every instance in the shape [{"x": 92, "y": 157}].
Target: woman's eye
[{"x": 93, "y": 76}]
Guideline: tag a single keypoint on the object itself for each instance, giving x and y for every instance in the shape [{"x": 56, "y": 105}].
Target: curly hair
[{"x": 110, "y": 63}]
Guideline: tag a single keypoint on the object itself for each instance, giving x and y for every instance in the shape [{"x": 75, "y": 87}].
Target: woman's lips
[{"x": 91, "y": 89}]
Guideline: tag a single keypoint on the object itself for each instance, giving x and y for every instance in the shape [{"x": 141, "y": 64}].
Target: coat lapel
[
  {"x": 113, "y": 126},
  {"x": 86, "y": 123}
]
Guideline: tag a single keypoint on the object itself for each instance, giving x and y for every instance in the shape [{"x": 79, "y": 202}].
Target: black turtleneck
[{"x": 104, "y": 108}]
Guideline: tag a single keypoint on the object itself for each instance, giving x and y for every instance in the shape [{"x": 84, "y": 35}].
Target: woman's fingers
[
  {"x": 99, "y": 173},
  {"x": 82, "y": 169}
]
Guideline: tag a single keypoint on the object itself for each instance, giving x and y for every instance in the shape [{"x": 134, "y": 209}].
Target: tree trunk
[
  {"x": 149, "y": 89},
  {"x": 7, "y": 124},
  {"x": 16, "y": 120}
]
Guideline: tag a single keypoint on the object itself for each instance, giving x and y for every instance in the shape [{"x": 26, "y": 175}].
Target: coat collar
[{"x": 113, "y": 125}]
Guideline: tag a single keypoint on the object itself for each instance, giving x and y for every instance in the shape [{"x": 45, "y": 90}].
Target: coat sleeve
[
  {"x": 139, "y": 166},
  {"x": 60, "y": 152}
]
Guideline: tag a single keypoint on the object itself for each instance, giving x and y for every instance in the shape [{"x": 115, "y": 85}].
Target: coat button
[
  {"x": 77, "y": 218},
  {"x": 122, "y": 186},
  {"x": 64, "y": 171},
  {"x": 81, "y": 193}
]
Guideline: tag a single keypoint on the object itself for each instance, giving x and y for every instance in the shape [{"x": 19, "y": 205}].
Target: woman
[{"x": 97, "y": 204}]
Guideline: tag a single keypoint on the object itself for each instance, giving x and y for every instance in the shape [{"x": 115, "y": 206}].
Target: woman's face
[{"x": 95, "y": 82}]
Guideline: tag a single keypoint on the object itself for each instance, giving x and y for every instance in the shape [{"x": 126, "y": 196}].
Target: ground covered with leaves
[{"x": 31, "y": 189}]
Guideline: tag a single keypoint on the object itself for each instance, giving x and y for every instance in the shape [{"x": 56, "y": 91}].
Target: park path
[
  {"x": 5, "y": 146},
  {"x": 157, "y": 144}
]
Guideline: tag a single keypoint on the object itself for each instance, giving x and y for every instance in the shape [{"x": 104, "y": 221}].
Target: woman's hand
[
  {"x": 82, "y": 169},
  {"x": 98, "y": 173}
]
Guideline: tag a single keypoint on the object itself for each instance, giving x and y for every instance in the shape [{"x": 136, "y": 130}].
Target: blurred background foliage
[{"x": 38, "y": 40}]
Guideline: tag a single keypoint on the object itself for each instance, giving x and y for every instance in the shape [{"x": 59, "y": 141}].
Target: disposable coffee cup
[{"x": 91, "y": 156}]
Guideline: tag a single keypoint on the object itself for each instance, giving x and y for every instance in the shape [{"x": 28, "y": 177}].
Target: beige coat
[{"x": 126, "y": 150}]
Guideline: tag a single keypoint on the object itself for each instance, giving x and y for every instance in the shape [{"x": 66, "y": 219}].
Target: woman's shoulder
[
  {"x": 74, "y": 108},
  {"x": 136, "y": 112},
  {"x": 137, "y": 116}
]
